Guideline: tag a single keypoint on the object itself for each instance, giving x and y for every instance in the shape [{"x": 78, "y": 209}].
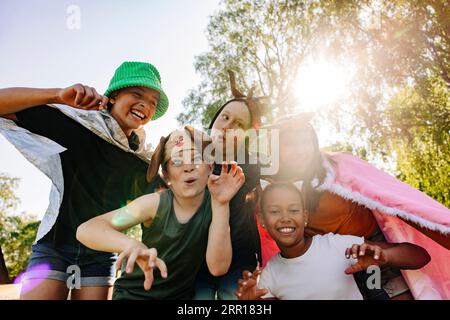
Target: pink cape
[{"x": 391, "y": 202}]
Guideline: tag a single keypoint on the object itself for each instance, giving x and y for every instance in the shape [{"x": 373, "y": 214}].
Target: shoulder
[{"x": 337, "y": 241}]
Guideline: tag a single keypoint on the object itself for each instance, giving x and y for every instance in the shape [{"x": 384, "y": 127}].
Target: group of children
[{"x": 204, "y": 220}]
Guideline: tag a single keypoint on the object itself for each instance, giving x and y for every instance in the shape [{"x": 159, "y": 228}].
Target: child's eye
[
  {"x": 294, "y": 211},
  {"x": 177, "y": 162},
  {"x": 225, "y": 117},
  {"x": 274, "y": 211}
]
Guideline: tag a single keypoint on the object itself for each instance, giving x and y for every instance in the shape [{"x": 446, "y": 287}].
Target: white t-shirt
[{"x": 316, "y": 275}]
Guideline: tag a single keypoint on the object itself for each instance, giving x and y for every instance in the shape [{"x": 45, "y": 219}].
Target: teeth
[
  {"x": 286, "y": 230},
  {"x": 138, "y": 114}
]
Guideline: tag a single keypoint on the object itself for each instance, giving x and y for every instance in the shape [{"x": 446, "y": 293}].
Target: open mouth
[
  {"x": 190, "y": 181},
  {"x": 286, "y": 230},
  {"x": 137, "y": 114}
]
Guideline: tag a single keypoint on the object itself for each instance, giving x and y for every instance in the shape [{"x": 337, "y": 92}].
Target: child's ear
[
  {"x": 211, "y": 168},
  {"x": 261, "y": 219},
  {"x": 305, "y": 217}
]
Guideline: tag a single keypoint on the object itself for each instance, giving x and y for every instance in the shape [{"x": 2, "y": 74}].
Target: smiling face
[
  {"x": 234, "y": 118},
  {"x": 134, "y": 107},
  {"x": 187, "y": 173},
  {"x": 284, "y": 216}
]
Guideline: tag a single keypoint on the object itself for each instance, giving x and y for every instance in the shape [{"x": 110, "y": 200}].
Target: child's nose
[{"x": 189, "y": 167}]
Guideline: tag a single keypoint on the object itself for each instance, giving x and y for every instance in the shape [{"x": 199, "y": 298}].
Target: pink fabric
[
  {"x": 357, "y": 175},
  {"x": 433, "y": 280}
]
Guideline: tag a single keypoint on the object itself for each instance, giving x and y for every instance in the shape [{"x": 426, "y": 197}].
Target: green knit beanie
[{"x": 139, "y": 74}]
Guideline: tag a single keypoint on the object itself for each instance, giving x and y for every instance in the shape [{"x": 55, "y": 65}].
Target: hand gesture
[
  {"x": 366, "y": 255},
  {"x": 225, "y": 186},
  {"x": 247, "y": 289},
  {"x": 146, "y": 259},
  {"x": 82, "y": 97}
]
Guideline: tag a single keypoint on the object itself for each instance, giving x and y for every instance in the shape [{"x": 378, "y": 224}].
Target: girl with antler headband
[
  {"x": 229, "y": 131},
  {"x": 180, "y": 226}
]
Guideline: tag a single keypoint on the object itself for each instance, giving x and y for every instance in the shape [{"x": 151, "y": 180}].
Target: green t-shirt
[{"x": 181, "y": 246}]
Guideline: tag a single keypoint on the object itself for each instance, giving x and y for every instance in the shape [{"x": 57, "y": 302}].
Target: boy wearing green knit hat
[{"x": 96, "y": 159}]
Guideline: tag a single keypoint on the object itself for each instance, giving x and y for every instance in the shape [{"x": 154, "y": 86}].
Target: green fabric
[
  {"x": 133, "y": 73},
  {"x": 181, "y": 246}
]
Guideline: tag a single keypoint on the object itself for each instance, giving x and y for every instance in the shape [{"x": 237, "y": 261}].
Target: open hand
[
  {"x": 247, "y": 289},
  {"x": 366, "y": 255},
  {"x": 146, "y": 259},
  {"x": 225, "y": 186},
  {"x": 82, "y": 97}
]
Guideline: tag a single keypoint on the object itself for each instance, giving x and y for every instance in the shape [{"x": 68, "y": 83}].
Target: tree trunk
[{"x": 4, "y": 277}]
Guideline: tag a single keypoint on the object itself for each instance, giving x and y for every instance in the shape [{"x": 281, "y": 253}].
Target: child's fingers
[
  {"x": 354, "y": 268},
  {"x": 377, "y": 253},
  {"x": 94, "y": 104},
  {"x": 104, "y": 103},
  {"x": 88, "y": 96},
  {"x": 261, "y": 292},
  {"x": 256, "y": 274},
  {"x": 79, "y": 89},
  {"x": 161, "y": 265},
  {"x": 233, "y": 170},
  {"x": 246, "y": 275},
  {"x": 152, "y": 255},
  {"x": 355, "y": 250},
  {"x": 131, "y": 261},
  {"x": 148, "y": 274},
  {"x": 224, "y": 168},
  {"x": 120, "y": 259},
  {"x": 363, "y": 248},
  {"x": 348, "y": 252}
]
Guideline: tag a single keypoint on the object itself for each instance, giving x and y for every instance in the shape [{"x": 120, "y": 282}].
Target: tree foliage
[{"x": 17, "y": 232}]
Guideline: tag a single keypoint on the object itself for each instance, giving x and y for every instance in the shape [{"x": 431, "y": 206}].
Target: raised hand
[
  {"x": 82, "y": 97},
  {"x": 225, "y": 186},
  {"x": 366, "y": 255},
  {"x": 146, "y": 259},
  {"x": 247, "y": 289}
]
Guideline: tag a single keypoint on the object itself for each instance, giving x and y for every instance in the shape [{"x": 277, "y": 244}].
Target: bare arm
[
  {"x": 222, "y": 189},
  {"x": 104, "y": 233},
  {"x": 400, "y": 255},
  {"x": 219, "y": 252},
  {"x": 13, "y": 100}
]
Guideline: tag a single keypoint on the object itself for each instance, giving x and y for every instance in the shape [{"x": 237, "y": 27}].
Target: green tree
[
  {"x": 17, "y": 232},
  {"x": 419, "y": 130},
  {"x": 264, "y": 42}
]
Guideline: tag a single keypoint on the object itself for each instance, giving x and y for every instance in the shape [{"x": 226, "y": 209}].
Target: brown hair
[{"x": 157, "y": 159}]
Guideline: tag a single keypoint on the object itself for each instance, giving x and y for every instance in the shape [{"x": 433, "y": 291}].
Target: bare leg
[
  {"x": 92, "y": 293},
  {"x": 44, "y": 289}
]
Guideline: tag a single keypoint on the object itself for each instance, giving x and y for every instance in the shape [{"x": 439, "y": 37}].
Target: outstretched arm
[
  {"x": 222, "y": 189},
  {"x": 13, "y": 100},
  {"x": 103, "y": 233},
  {"x": 400, "y": 255}
]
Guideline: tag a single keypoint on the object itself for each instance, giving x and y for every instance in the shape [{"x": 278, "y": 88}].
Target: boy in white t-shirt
[{"x": 320, "y": 267}]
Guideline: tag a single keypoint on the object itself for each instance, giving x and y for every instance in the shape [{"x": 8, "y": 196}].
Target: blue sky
[{"x": 38, "y": 49}]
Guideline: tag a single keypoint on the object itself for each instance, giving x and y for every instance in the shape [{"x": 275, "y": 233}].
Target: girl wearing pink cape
[{"x": 346, "y": 195}]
